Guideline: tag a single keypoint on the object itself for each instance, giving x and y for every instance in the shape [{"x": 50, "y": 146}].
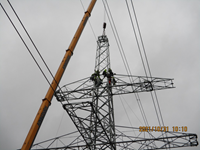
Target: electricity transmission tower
[{"x": 89, "y": 104}]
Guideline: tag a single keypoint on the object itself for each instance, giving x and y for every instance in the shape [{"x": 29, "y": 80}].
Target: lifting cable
[{"x": 111, "y": 21}]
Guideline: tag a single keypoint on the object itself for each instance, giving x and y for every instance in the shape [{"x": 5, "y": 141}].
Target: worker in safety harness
[
  {"x": 96, "y": 78},
  {"x": 110, "y": 76}
]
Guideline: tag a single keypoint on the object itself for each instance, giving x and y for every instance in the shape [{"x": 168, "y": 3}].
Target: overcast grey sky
[{"x": 171, "y": 34}]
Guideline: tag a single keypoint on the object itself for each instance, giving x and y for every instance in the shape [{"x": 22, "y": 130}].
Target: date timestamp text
[{"x": 162, "y": 129}]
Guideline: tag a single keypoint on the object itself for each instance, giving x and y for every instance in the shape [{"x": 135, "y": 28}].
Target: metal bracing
[
  {"x": 102, "y": 61},
  {"x": 123, "y": 141},
  {"x": 89, "y": 103},
  {"x": 123, "y": 86},
  {"x": 94, "y": 119},
  {"x": 102, "y": 116}
]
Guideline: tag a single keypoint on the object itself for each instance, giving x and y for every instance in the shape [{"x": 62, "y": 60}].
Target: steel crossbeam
[
  {"x": 123, "y": 86},
  {"x": 139, "y": 142}
]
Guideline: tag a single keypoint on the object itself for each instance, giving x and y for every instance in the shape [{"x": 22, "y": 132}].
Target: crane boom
[{"x": 47, "y": 100}]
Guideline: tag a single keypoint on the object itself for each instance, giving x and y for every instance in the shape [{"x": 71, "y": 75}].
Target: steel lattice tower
[
  {"x": 90, "y": 107},
  {"x": 103, "y": 106}
]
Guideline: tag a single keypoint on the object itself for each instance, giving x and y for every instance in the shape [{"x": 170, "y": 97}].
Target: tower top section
[{"x": 102, "y": 60}]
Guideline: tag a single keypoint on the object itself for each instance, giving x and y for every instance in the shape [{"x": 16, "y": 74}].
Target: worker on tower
[
  {"x": 110, "y": 76},
  {"x": 105, "y": 73},
  {"x": 110, "y": 72},
  {"x": 113, "y": 80},
  {"x": 96, "y": 78}
]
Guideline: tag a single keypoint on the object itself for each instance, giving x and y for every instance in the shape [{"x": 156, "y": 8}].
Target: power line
[
  {"x": 141, "y": 54},
  {"x": 120, "y": 44},
  {"x": 148, "y": 66},
  {"x": 33, "y": 44},
  {"x": 26, "y": 45},
  {"x": 124, "y": 59},
  {"x": 141, "y": 58},
  {"x": 123, "y": 56},
  {"x": 36, "y": 50},
  {"x": 132, "y": 111},
  {"x": 115, "y": 37},
  {"x": 136, "y": 38},
  {"x": 89, "y": 23},
  {"x": 146, "y": 57},
  {"x": 126, "y": 113}
]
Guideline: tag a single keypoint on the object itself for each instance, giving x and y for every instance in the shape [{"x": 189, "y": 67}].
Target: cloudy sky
[{"x": 170, "y": 31}]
